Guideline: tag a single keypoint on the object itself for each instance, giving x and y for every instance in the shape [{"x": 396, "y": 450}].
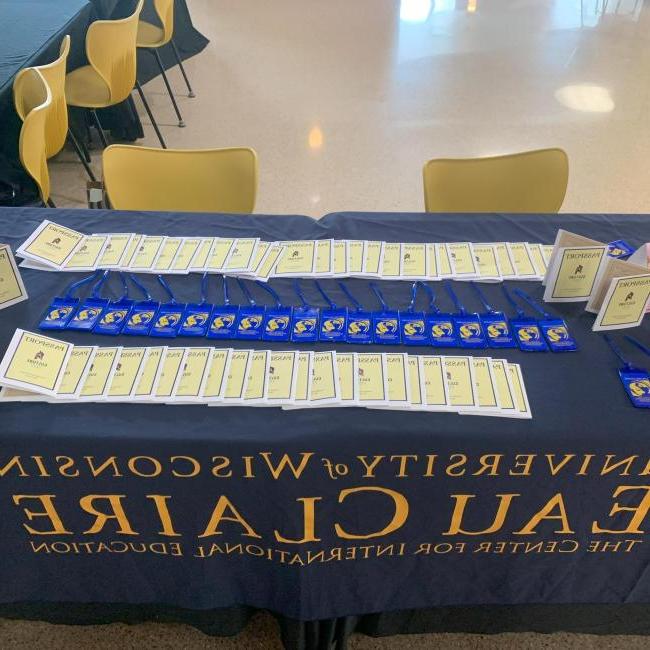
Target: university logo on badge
[
  {"x": 640, "y": 388},
  {"x": 414, "y": 327},
  {"x": 250, "y": 322},
  {"x": 333, "y": 325},
  {"x": 57, "y": 314},
  {"x": 112, "y": 317},
  {"x": 470, "y": 330},
  {"x": 387, "y": 326},
  {"x": 168, "y": 320},
  {"x": 304, "y": 326},
  {"x": 497, "y": 329},
  {"x": 442, "y": 329},
  {"x": 195, "y": 320},
  {"x": 359, "y": 326},
  {"x": 278, "y": 324},
  {"x": 529, "y": 333},
  {"x": 556, "y": 334},
  {"x": 87, "y": 314},
  {"x": 141, "y": 318},
  {"x": 222, "y": 322}
]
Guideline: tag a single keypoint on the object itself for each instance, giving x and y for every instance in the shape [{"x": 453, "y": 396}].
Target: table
[
  {"x": 37, "y": 27},
  {"x": 373, "y": 567}
]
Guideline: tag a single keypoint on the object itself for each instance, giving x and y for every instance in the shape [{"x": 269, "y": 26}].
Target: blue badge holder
[
  {"x": 636, "y": 381},
  {"x": 526, "y": 331},
  {"x": 251, "y": 318},
  {"x": 359, "y": 329},
  {"x": 143, "y": 313},
  {"x": 495, "y": 324},
  {"x": 305, "y": 319},
  {"x": 91, "y": 309},
  {"x": 62, "y": 308},
  {"x": 413, "y": 324},
  {"x": 170, "y": 315},
  {"x": 440, "y": 325},
  {"x": 196, "y": 317},
  {"x": 555, "y": 330},
  {"x": 333, "y": 321},
  {"x": 468, "y": 324},
  {"x": 620, "y": 249},
  {"x": 116, "y": 313},
  {"x": 277, "y": 320},
  {"x": 385, "y": 323},
  {"x": 223, "y": 319}
]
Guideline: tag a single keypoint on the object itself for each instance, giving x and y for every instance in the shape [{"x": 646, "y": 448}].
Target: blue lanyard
[
  {"x": 145, "y": 292},
  {"x": 638, "y": 344},
  {"x": 380, "y": 296},
  {"x": 432, "y": 297},
  {"x": 125, "y": 287},
  {"x": 520, "y": 312},
  {"x": 271, "y": 291},
  {"x": 627, "y": 366},
  {"x": 488, "y": 307},
  {"x": 204, "y": 288},
  {"x": 353, "y": 300},
  {"x": 226, "y": 294},
  {"x": 98, "y": 287},
  {"x": 328, "y": 300},
  {"x": 298, "y": 290},
  {"x": 246, "y": 292},
  {"x": 454, "y": 297},
  {"x": 533, "y": 303},
  {"x": 79, "y": 283},
  {"x": 167, "y": 288}
]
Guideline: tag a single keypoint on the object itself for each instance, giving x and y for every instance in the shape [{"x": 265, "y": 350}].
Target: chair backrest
[
  {"x": 56, "y": 123},
  {"x": 165, "y": 11},
  {"x": 35, "y": 100},
  {"x": 111, "y": 50},
  {"x": 204, "y": 180},
  {"x": 532, "y": 181}
]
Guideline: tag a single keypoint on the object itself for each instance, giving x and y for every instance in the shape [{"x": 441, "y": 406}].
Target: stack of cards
[
  {"x": 56, "y": 248},
  {"x": 40, "y": 368},
  {"x": 12, "y": 289}
]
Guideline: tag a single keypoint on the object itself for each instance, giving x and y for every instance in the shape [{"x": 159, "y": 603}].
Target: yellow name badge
[
  {"x": 200, "y": 259},
  {"x": 267, "y": 264},
  {"x": 33, "y": 362},
  {"x": 280, "y": 377},
  {"x": 486, "y": 390},
  {"x": 504, "y": 391},
  {"x": 486, "y": 261},
  {"x": 460, "y": 382},
  {"x": 355, "y": 257},
  {"x": 193, "y": 376},
  {"x": 340, "y": 258},
  {"x": 147, "y": 382},
  {"x": 572, "y": 276},
  {"x": 522, "y": 406},
  {"x": 146, "y": 253},
  {"x": 522, "y": 261},
  {"x": 75, "y": 372},
  {"x": 50, "y": 244},
  {"x": 391, "y": 261},
  {"x": 371, "y": 379},
  {"x": 87, "y": 255},
  {"x": 215, "y": 385},
  {"x": 625, "y": 303},
  {"x": 435, "y": 392},
  {"x": 115, "y": 251},
  {"x": 172, "y": 366},
  {"x": 303, "y": 378},
  {"x": 397, "y": 379},
  {"x": 372, "y": 257},
  {"x": 99, "y": 374},
  {"x": 256, "y": 384},
  {"x": 185, "y": 254},
  {"x": 347, "y": 366},
  {"x": 237, "y": 375},
  {"x": 324, "y": 253},
  {"x": 12, "y": 288},
  {"x": 219, "y": 254},
  {"x": 442, "y": 261},
  {"x": 297, "y": 258},
  {"x": 432, "y": 262},
  {"x": 324, "y": 386},
  {"x": 414, "y": 261},
  {"x": 415, "y": 383},
  {"x": 463, "y": 262},
  {"x": 126, "y": 373},
  {"x": 504, "y": 257},
  {"x": 242, "y": 255},
  {"x": 168, "y": 253}
]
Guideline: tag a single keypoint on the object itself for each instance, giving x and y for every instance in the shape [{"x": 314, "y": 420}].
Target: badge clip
[
  {"x": 277, "y": 320},
  {"x": 413, "y": 324},
  {"x": 251, "y": 318},
  {"x": 385, "y": 323},
  {"x": 223, "y": 318},
  {"x": 359, "y": 329}
]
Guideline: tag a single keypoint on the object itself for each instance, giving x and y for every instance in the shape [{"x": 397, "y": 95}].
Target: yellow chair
[
  {"x": 152, "y": 37},
  {"x": 56, "y": 124},
  {"x": 202, "y": 180},
  {"x": 34, "y": 97},
  {"x": 111, "y": 75},
  {"x": 532, "y": 181}
]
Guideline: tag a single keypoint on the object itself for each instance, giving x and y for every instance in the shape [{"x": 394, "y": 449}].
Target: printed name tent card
[{"x": 12, "y": 288}]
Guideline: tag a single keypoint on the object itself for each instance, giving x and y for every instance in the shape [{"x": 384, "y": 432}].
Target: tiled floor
[{"x": 345, "y": 100}]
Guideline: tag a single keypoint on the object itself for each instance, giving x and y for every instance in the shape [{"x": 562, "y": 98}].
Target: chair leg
[
  {"x": 77, "y": 148},
  {"x": 98, "y": 124},
  {"x": 169, "y": 88},
  {"x": 190, "y": 92},
  {"x": 50, "y": 204},
  {"x": 150, "y": 114}
]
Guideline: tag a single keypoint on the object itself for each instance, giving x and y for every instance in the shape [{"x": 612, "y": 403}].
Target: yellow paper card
[
  {"x": 340, "y": 263},
  {"x": 443, "y": 262},
  {"x": 297, "y": 258},
  {"x": 486, "y": 261},
  {"x": 415, "y": 384},
  {"x": 397, "y": 378},
  {"x": 186, "y": 251},
  {"x": 625, "y": 303},
  {"x": 538, "y": 258},
  {"x": 391, "y": 262},
  {"x": 34, "y": 362},
  {"x": 115, "y": 251},
  {"x": 168, "y": 253},
  {"x": 237, "y": 375},
  {"x": 522, "y": 261},
  {"x": 12, "y": 289},
  {"x": 126, "y": 373},
  {"x": 100, "y": 373},
  {"x": 200, "y": 259},
  {"x": 355, "y": 257},
  {"x": 324, "y": 252},
  {"x": 346, "y": 362},
  {"x": 75, "y": 371},
  {"x": 506, "y": 267},
  {"x": 50, "y": 244},
  {"x": 303, "y": 376},
  {"x": 260, "y": 252},
  {"x": 87, "y": 255},
  {"x": 372, "y": 257},
  {"x": 266, "y": 267},
  {"x": 152, "y": 366},
  {"x": 414, "y": 261},
  {"x": 432, "y": 261},
  {"x": 460, "y": 382},
  {"x": 573, "y": 275},
  {"x": 131, "y": 249},
  {"x": 371, "y": 373},
  {"x": 434, "y": 386},
  {"x": 485, "y": 383},
  {"x": 504, "y": 392},
  {"x": 242, "y": 254},
  {"x": 547, "y": 251},
  {"x": 219, "y": 253},
  {"x": 217, "y": 374},
  {"x": 324, "y": 384},
  {"x": 519, "y": 391},
  {"x": 281, "y": 376},
  {"x": 172, "y": 366},
  {"x": 257, "y": 376},
  {"x": 462, "y": 259},
  {"x": 146, "y": 253},
  {"x": 192, "y": 378}
]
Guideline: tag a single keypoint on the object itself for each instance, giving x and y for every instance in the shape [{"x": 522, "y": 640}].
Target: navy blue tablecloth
[{"x": 374, "y": 491}]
